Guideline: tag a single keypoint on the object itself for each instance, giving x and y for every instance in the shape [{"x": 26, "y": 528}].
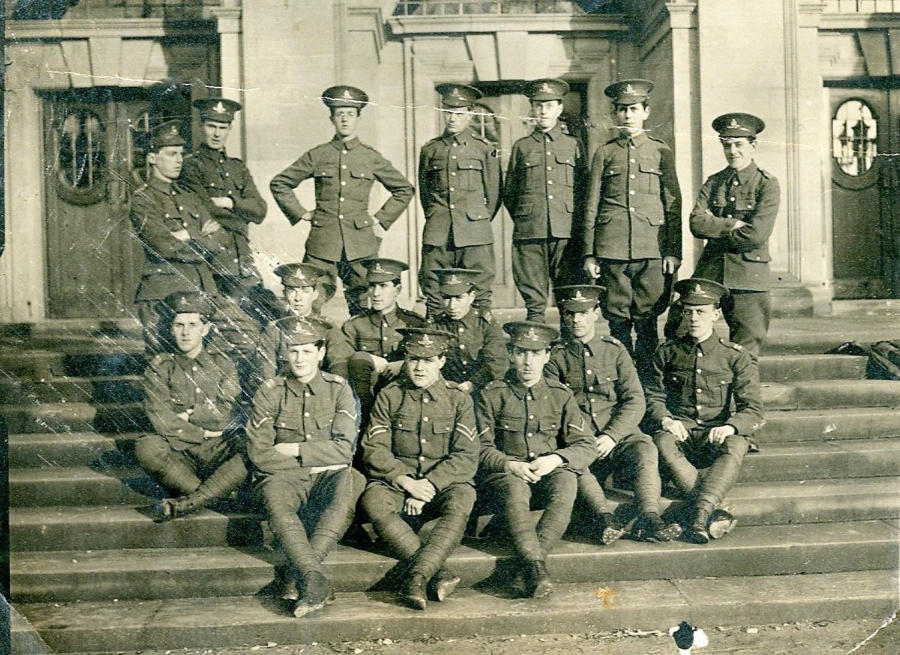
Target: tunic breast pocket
[
  {"x": 565, "y": 164},
  {"x": 438, "y": 444},
  {"x": 548, "y": 428},
  {"x": 604, "y": 385},
  {"x": 405, "y": 435},
  {"x": 713, "y": 386},
  {"x": 360, "y": 185},
  {"x": 368, "y": 345},
  {"x": 284, "y": 434},
  {"x": 532, "y": 173},
  {"x": 509, "y": 432},
  {"x": 436, "y": 172},
  {"x": 470, "y": 175},
  {"x": 325, "y": 178},
  {"x": 650, "y": 177},
  {"x": 323, "y": 422}
]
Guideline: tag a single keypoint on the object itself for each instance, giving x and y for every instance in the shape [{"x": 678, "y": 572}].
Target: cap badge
[
  {"x": 173, "y": 130},
  {"x": 453, "y": 279},
  {"x": 377, "y": 268},
  {"x": 426, "y": 341},
  {"x": 629, "y": 90},
  {"x": 578, "y": 295},
  {"x": 545, "y": 88},
  {"x": 347, "y": 95},
  {"x": 531, "y": 335},
  {"x": 455, "y": 93},
  {"x": 698, "y": 289},
  {"x": 734, "y": 125},
  {"x": 183, "y": 301},
  {"x": 300, "y": 276},
  {"x": 219, "y": 108}
]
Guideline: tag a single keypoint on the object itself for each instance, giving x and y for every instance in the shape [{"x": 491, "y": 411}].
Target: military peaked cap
[
  {"x": 698, "y": 291},
  {"x": 166, "y": 134},
  {"x": 380, "y": 269},
  {"x": 578, "y": 297},
  {"x": 344, "y": 96},
  {"x": 458, "y": 95},
  {"x": 737, "y": 125},
  {"x": 546, "y": 89},
  {"x": 217, "y": 109},
  {"x": 424, "y": 342},
  {"x": 530, "y": 335}
]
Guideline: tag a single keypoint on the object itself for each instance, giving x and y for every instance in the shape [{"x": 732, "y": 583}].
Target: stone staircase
[{"x": 818, "y": 534}]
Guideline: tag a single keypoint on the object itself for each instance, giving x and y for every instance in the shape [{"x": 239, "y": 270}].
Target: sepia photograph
[{"x": 409, "y": 327}]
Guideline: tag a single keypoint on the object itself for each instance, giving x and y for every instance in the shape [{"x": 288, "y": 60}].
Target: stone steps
[
  {"x": 75, "y": 417},
  {"x": 98, "y": 389},
  {"x": 107, "y": 483},
  {"x": 100, "y": 527},
  {"x": 576, "y": 608},
  {"x": 221, "y": 571}
]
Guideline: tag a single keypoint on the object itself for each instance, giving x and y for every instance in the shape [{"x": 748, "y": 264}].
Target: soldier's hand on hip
[
  {"x": 413, "y": 506},
  {"x": 670, "y": 265},
  {"x": 182, "y": 235},
  {"x": 546, "y": 464},
  {"x": 676, "y": 427},
  {"x": 719, "y": 434},
  {"x": 605, "y": 445},
  {"x": 523, "y": 471}
]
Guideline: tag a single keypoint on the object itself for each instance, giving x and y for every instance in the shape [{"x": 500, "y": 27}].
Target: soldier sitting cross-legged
[
  {"x": 302, "y": 436},
  {"x": 191, "y": 400},
  {"x": 420, "y": 454},
  {"x": 603, "y": 378}
]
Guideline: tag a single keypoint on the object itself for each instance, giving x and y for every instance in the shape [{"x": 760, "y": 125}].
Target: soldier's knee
[
  {"x": 378, "y": 502},
  {"x": 152, "y": 451},
  {"x": 735, "y": 445},
  {"x": 461, "y": 499}
]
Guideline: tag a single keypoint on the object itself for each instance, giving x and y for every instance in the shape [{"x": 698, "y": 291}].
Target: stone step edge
[{"x": 576, "y": 608}]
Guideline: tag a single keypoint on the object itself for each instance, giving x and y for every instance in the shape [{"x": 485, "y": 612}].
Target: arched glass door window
[
  {"x": 81, "y": 156},
  {"x": 854, "y": 137}
]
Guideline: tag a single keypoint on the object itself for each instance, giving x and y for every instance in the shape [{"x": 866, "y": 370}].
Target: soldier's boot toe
[
  {"x": 721, "y": 523},
  {"x": 164, "y": 510},
  {"x": 289, "y": 588},
  {"x": 652, "y": 528},
  {"x": 413, "y": 594},
  {"x": 443, "y": 584},
  {"x": 698, "y": 531},
  {"x": 611, "y": 531},
  {"x": 518, "y": 585},
  {"x": 316, "y": 594},
  {"x": 541, "y": 586}
]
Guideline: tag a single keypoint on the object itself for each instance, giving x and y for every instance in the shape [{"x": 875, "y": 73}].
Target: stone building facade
[{"x": 86, "y": 78}]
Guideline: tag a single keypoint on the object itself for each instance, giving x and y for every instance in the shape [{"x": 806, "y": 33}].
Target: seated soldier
[
  {"x": 301, "y": 441},
  {"x": 534, "y": 441},
  {"x": 191, "y": 400},
  {"x": 302, "y": 285},
  {"x": 367, "y": 351},
  {"x": 695, "y": 379},
  {"x": 477, "y": 351},
  {"x": 600, "y": 373},
  {"x": 420, "y": 454}
]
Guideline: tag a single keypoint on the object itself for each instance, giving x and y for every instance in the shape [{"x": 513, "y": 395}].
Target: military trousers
[
  {"x": 635, "y": 458},
  {"x": 683, "y": 459},
  {"x": 748, "y": 314},
  {"x": 476, "y": 258},
  {"x": 536, "y": 264},
  {"x": 555, "y": 493},
  {"x": 352, "y": 274},
  {"x": 201, "y": 473},
  {"x": 451, "y": 507},
  {"x": 309, "y": 515}
]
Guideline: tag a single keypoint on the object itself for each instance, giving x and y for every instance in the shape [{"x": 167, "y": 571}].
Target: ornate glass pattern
[{"x": 854, "y": 134}]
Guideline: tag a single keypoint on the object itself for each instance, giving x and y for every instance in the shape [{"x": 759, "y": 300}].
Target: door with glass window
[
  {"x": 95, "y": 142},
  {"x": 865, "y": 192}
]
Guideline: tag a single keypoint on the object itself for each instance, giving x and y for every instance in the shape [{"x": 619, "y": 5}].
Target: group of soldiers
[{"x": 441, "y": 417}]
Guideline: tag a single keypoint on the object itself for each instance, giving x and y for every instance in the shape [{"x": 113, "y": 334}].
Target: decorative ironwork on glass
[
  {"x": 138, "y": 135},
  {"x": 854, "y": 133},
  {"x": 81, "y": 155}
]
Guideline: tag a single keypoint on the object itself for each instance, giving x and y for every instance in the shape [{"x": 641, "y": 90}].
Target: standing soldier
[
  {"x": 632, "y": 221},
  {"x": 227, "y": 187},
  {"x": 368, "y": 349},
  {"x": 477, "y": 350},
  {"x": 545, "y": 169},
  {"x": 178, "y": 235},
  {"x": 301, "y": 441},
  {"x": 191, "y": 400},
  {"x": 459, "y": 186},
  {"x": 342, "y": 233},
  {"x": 735, "y": 213},
  {"x": 696, "y": 378},
  {"x": 420, "y": 454},
  {"x": 534, "y": 441},
  {"x": 600, "y": 373}
]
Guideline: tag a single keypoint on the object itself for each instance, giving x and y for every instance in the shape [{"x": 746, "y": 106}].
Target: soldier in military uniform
[
  {"x": 632, "y": 223},
  {"x": 543, "y": 182},
  {"x": 696, "y": 377},
  {"x": 600, "y": 373},
  {"x": 342, "y": 233},
  {"x": 477, "y": 351},
  {"x": 191, "y": 400},
  {"x": 178, "y": 235},
  {"x": 534, "y": 442},
  {"x": 420, "y": 454},
  {"x": 227, "y": 187},
  {"x": 301, "y": 440},
  {"x": 368, "y": 349},
  {"x": 302, "y": 285},
  {"x": 735, "y": 212},
  {"x": 459, "y": 186}
]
